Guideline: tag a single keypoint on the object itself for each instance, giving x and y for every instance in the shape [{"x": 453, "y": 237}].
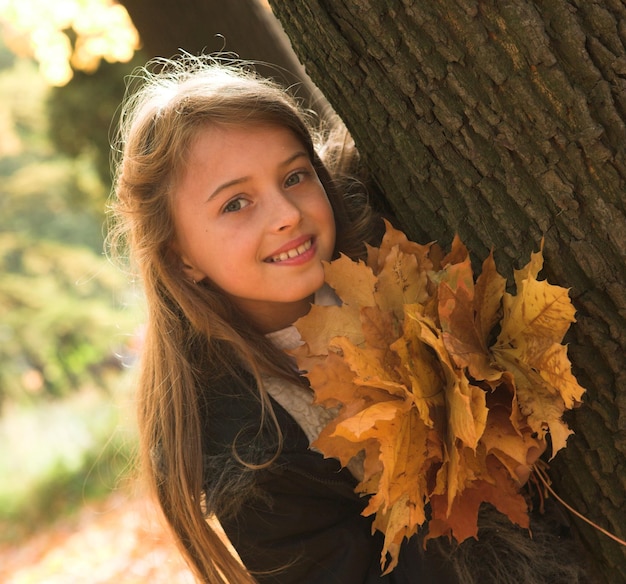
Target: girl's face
[{"x": 252, "y": 216}]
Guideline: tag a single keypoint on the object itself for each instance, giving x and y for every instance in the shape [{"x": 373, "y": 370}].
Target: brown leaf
[
  {"x": 463, "y": 317},
  {"x": 556, "y": 369},
  {"x": 489, "y": 290},
  {"x": 461, "y": 520},
  {"x": 513, "y": 448},
  {"x": 465, "y": 404},
  {"x": 419, "y": 367},
  {"x": 332, "y": 380},
  {"x": 458, "y": 252},
  {"x": 380, "y": 328}
]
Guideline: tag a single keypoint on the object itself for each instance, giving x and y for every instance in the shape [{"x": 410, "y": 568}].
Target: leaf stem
[{"x": 543, "y": 477}]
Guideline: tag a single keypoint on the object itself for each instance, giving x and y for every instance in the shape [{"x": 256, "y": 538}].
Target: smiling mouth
[{"x": 292, "y": 253}]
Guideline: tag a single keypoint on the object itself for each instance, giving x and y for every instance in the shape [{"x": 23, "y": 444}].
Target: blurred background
[{"x": 71, "y": 508}]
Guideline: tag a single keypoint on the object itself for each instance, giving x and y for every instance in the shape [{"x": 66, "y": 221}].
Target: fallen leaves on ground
[
  {"x": 118, "y": 541},
  {"x": 448, "y": 386}
]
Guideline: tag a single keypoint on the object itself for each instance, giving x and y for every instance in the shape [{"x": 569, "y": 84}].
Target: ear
[{"x": 189, "y": 270}]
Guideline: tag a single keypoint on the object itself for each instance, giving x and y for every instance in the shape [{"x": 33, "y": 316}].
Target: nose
[{"x": 284, "y": 210}]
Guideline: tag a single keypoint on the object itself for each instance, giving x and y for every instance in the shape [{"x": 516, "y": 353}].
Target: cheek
[
  {"x": 331, "y": 226},
  {"x": 195, "y": 245},
  {"x": 333, "y": 231}
]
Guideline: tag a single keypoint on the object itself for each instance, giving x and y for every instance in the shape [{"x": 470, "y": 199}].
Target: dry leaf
[
  {"x": 429, "y": 405},
  {"x": 534, "y": 323}
]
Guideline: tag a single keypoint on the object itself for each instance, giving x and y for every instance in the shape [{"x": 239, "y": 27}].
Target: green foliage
[
  {"x": 83, "y": 113},
  {"x": 7, "y": 58},
  {"x": 42, "y": 199},
  {"x": 61, "y": 301},
  {"x": 63, "y": 323},
  {"x": 43, "y": 194},
  {"x": 25, "y": 126}
]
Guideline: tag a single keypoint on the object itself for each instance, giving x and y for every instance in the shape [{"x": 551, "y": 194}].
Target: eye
[
  {"x": 235, "y": 205},
  {"x": 295, "y": 178}
]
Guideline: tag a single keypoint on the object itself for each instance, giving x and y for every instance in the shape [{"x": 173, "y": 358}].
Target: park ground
[{"x": 119, "y": 540}]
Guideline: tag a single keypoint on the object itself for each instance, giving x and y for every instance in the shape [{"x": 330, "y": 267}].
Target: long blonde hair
[{"x": 194, "y": 329}]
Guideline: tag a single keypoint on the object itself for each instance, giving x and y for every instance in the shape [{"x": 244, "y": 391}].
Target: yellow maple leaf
[
  {"x": 425, "y": 255},
  {"x": 534, "y": 322},
  {"x": 419, "y": 367},
  {"x": 538, "y": 315},
  {"x": 400, "y": 282},
  {"x": 324, "y": 323},
  {"x": 465, "y": 403},
  {"x": 352, "y": 281},
  {"x": 406, "y": 452},
  {"x": 332, "y": 379},
  {"x": 370, "y": 366}
]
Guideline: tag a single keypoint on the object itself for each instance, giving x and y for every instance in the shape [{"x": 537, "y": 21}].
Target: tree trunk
[
  {"x": 243, "y": 27},
  {"x": 504, "y": 121}
]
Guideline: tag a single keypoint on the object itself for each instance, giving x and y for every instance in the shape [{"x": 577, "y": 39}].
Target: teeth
[{"x": 292, "y": 253}]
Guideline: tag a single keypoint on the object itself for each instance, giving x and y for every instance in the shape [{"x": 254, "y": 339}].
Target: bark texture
[{"x": 504, "y": 121}]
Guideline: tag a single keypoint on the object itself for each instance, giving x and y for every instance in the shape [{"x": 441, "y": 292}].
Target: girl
[{"x": 229, "y": 211}]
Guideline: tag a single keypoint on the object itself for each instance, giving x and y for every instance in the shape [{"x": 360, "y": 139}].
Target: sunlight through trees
[{"x": 68, "y": 34}]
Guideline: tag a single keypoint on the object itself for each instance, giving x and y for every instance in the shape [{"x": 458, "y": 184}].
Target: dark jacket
[{"x": 298, "y": 520}]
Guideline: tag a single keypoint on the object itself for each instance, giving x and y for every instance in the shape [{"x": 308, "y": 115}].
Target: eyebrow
[{"x": 236, "y": 181}]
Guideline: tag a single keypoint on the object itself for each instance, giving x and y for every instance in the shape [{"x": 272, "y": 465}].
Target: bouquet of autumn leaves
[{"x": 446, "y": 387}]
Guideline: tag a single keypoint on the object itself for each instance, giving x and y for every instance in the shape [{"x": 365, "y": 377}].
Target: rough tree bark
[
  {"x": 504, "y": 121},
  {"x": 243, "y": 27}
]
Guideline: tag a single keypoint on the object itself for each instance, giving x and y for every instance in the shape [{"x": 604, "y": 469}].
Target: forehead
[
  {"x": 219, "y": 154},
  {"x": 219, "y": 141}
]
